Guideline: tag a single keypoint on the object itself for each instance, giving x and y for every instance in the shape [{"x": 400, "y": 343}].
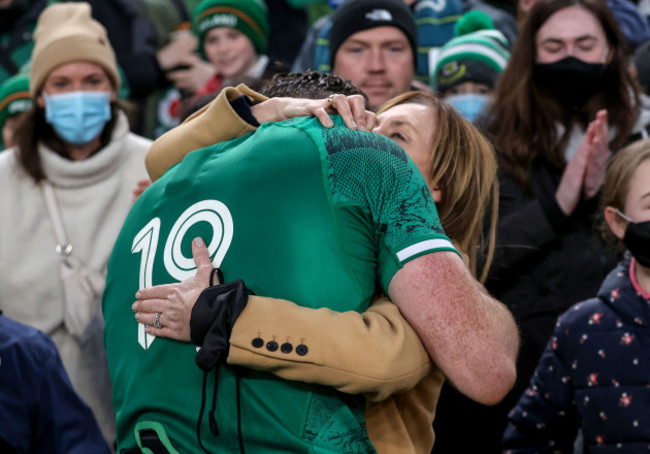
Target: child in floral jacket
[{"x": 595, "y": 372}]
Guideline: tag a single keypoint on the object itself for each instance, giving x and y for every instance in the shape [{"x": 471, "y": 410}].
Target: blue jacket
[
  {"x": 39, "y": 410},
  {"x": 594, "y": 375}
]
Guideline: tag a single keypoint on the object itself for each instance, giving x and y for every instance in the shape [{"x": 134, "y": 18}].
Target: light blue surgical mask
[
  {"x": 469, "y": 105},
  {"x": 79, "y": 116}
]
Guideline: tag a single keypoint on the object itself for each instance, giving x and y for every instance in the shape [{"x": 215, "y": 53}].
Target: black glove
[{"x": 213, "y": 317}]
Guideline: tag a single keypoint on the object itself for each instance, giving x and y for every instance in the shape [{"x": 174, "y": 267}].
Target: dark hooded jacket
[{"x": 594, "y": 375}]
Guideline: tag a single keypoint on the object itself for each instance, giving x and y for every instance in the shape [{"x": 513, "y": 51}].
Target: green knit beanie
[
  {"x": 247, "y": 16},
  {"x": 478, "y": 53},
  {"x": 14, "y": 99}
]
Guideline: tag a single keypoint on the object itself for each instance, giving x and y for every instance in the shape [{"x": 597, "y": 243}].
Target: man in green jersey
[{"x": 298, "y": 212}]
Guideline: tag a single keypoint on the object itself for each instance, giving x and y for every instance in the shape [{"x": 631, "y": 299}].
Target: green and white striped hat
[
  {"x": 14, "y": 99},
  {"x": 475, "y": 55}
]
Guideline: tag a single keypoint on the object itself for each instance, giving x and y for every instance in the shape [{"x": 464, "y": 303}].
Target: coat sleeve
[
  {"x": 375, "y": 352},
  {"x": 527, "y": 223},
  {"x": 61, "y": 422},
  {"x": 216, "y": 122},
  {"x": 544, "y": 420}
]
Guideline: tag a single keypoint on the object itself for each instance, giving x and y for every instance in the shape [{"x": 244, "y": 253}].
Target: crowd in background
[{"x": 557, "y": 87}]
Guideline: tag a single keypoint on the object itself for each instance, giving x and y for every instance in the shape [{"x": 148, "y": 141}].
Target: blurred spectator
[
  {"x": 434, "y": 23},
  {"x": 179, "y": 63},
  {"x": 75, "y": 157},
  {"x": 41, "y": 413},
  {"x": 288, "y": 23},
  {"x": 633, "y": 25},
  {"x": 133, "y": 38},
  {"x": 374, "y": 45},
  {"x": 468, "y": 66},
  {"x": 641, "y": 59},
  {"x": 566, "y": 89},
  {"x": 233, "y": 36},
  {"x": 504, "y": 14},
  {"x": 17, "y": 22},
  {"x": 594, "y": 373},
  {"x": 14, "y": 100}
]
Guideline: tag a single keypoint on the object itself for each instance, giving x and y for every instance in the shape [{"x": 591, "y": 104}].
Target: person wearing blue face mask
[
  {"x": 468, "y": 66},
  {"x": 71, "y": 174},
  {"x": 79, "y": 116}
]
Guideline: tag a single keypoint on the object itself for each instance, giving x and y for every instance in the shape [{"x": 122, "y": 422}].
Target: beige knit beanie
[{"x": 66, "y": 33}]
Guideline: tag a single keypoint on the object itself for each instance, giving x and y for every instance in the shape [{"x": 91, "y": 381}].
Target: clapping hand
[
  {"x": 585, "y": 172},
  {"x": 598, "y": 155}
]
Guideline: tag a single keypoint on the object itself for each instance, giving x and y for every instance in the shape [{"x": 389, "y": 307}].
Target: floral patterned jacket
[{"x": 594, "y": 375}]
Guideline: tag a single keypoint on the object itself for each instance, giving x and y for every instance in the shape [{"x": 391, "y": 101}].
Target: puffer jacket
[{"x": 594, "y": 374}]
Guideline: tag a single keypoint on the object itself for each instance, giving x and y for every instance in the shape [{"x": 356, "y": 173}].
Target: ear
[
  {"x": 40, "y": 101},
  {"x": 616, "y": 224},
  {"x": 113, "y": 96},
  {"x": 436, "y": 192}
]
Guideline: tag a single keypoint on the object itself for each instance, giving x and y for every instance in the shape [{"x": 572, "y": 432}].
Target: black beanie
[{"x": 357, "y": 15}]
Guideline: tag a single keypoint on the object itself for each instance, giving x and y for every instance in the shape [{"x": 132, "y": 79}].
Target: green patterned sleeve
[{"x": 372, "y": 171}]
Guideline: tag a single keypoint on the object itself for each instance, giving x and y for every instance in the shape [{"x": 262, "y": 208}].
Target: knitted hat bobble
[
  {"x": 66, "y": 33},
  {"x": 478, "y": 53},
  {"x": 248, "y": 16}
]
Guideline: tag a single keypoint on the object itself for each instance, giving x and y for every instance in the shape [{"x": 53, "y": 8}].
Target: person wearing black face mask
[
  {"x": 637, "y": 240},
  {"x": 594, "y": 373},
  {"x": 572, "y": 80},
  {"x": 563, "y": 104}
]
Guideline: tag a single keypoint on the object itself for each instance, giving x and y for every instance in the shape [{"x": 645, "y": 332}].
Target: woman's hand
[
  {"x": 585, "y": 172},
  {"x": 174, "y": 302},
  {"x": 598, "y": 155},
  {"x": 569, "y": 191},
  {"x": 351, "y": 108}
]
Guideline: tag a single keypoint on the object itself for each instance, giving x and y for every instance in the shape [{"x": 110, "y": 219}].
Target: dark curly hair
[{"x": 310, "y": 84}]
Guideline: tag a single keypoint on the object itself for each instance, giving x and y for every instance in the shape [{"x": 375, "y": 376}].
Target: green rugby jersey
[{"x": 313, "y": 215}]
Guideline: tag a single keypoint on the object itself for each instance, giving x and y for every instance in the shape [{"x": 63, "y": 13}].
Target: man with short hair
[{"x": 374, "y": 45}]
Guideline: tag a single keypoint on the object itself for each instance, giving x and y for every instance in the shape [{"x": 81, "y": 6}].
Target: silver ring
[
  {"x": 330, "y": 99},
  {"x": 156, "y": 320}
]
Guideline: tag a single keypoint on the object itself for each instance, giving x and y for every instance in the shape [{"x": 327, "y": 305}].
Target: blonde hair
[
  {"x": 616, "y": 185},
  {"x": 464, "y": 167}
]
